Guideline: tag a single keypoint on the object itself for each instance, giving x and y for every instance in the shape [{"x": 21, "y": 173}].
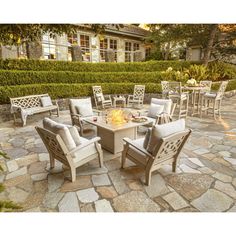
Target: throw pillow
[
  {"x": 46, "y": 101},
  {"x": 162, "y": 131},
  {"x": 84, "y": 110},
  {"x": 61, "y": 130},
  {"x": 155, "y": 110},
  {"x": 165, "y": 102}
]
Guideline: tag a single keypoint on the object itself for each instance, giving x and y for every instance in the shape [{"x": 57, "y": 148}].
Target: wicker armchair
[
  {"x": 137, "y": 97},
  {"x": 86, "y": 151},
  {"x": 101, "y": 101},
  {"x": 166, "y": 150}
]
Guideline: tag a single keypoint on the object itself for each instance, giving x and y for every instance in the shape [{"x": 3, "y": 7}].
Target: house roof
[
  {"x": 127, "y": 29},
  {"x": 132, "y": 30}
]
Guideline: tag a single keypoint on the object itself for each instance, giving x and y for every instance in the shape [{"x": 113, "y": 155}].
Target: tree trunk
[
  {"x": 167, "y": 51},
  {"x": 210, "y": 43}
]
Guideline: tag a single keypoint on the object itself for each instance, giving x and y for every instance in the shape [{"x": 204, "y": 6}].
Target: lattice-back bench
[{"x": 33, "y": 104}]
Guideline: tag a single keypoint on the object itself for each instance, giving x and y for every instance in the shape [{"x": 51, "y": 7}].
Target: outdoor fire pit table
[{"x": 112, "y": 134}]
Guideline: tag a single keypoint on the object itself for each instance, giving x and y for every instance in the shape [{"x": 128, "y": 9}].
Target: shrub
[
  {"x": 37, "y": 77},
  {"x": 197, "y": 72},
  {"x": 61, "y": 90},
  {"x": 221, "y": 70},
  {"x": 37, "y": 65}
]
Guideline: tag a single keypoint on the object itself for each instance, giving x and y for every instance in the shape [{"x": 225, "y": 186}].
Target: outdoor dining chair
[
  {"x": 212, "y": 101},
  {"x": 179, "y": 97}
]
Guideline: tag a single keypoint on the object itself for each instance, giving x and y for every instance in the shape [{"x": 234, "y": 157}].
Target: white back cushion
[
  {"x": 80, "y": 102},
  {"x": 161, "y": 131},
  {"x": 166, "y": 102},
  {"x": 84, "y": 110},
  {"x": 46, "y": 101},
  {"x": 61, "y": 130},
  {"x": 155, "y": 110}
]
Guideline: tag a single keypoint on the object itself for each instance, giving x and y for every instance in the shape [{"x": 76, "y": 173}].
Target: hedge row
[
  {"x": 70, "y": 90},
  {"x": 80, "y": 90},
  {"x": 38, "y": 65},
  {"x": 44, "y": 77}
]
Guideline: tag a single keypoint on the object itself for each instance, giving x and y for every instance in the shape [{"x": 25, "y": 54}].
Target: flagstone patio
[{"x": 205, "y": 179}]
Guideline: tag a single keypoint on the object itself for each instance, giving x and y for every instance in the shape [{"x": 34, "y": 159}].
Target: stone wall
[{"x": 63, "y": 103}]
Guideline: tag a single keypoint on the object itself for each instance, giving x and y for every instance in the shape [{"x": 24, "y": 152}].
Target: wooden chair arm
[
  {"x": 144, "y": 151},
  {"x": 91, "y": 141}
]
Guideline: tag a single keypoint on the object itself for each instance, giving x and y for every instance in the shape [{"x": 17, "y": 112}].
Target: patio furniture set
[
  {"x": 199, "y": 96},
  {"x": 115, "y": 130}
]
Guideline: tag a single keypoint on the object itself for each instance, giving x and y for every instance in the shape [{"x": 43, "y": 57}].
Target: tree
[{"x": 217, "y": 40}]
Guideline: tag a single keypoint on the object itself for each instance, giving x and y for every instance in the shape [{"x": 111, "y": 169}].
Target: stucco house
[{"x": 123, "y": 44}]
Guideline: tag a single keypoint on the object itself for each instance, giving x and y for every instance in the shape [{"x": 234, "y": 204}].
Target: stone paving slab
[{"x": 205, "y": 179}]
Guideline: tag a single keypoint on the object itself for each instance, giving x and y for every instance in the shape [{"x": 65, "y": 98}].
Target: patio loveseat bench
[{"x": 32, "y": 104}]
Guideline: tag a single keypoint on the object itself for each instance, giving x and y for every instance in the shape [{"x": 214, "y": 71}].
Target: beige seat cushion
[
  {"x": 84, "y": 152},
  {"x": 161, "y": 131},
  {"x": 67, "y": 133},
  {"x": 136, "y": 154},
  {"x": 164, "y": 102},
  {"x": 210, "y": 95}
]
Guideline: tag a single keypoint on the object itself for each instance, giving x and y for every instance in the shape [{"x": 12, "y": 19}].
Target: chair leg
[
  {"x": 180, "y": 107},
  {"x": 52, "y": 161},
  {"x": 73, "y": 174},
  {"x": 174, "y": 166},
  {"x": 100, "y": 154},
  {"x": 123, "y": 156},
  {"x": 148, "y": 175},
  {"x": 123, "y": 159},
  {"x": 214, "y": 109}
]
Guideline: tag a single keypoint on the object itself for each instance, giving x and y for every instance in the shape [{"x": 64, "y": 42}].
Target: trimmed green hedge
[
  {"x": 70, "y": 90},
  {"x": 37, "y": 65},
  {"x": 44, "y": 77}
]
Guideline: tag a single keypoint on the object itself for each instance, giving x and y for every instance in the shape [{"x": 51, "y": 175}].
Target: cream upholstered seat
[
  {"x": 137, "y": 97},
  {"x": 64, "y": 144},
  {"x": 79, "y": 109},
  {"x": 161, "y": 145}
]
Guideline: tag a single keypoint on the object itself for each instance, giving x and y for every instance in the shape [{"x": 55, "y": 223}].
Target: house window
[
  {"x": 103, "y": 48},
  {"x": 73, "y": 39},
  {"x": 128, "y": 50},
  {"x": 106, "y": 44},
  {"x": 85, "y": 47},
  {"x": 136, "y": 46},
  {"x": 49, "y": 47},
  {"x": 113, "y": 45}
]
